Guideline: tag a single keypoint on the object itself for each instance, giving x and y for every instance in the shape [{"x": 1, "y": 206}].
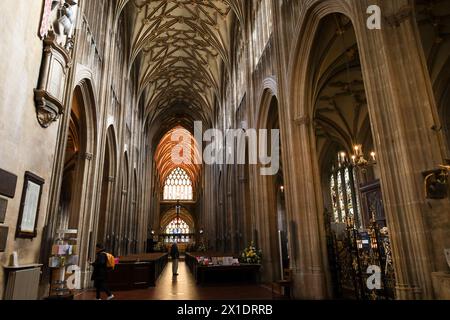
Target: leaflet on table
[
  {"x": 60, "y": 261},
  {"x": 65, "y": 249}
]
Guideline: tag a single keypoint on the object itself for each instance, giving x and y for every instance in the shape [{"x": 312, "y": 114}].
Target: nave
[
  {"x": 303, "y": 142},
  {"x": 184, "y": 287}
]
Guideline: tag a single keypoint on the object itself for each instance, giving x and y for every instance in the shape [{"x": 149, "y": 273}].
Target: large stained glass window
[
  {"x": 344, "y": 196},
  {"x": 177, "y": 231},
  {"x": 262, "y": 28},
  {"x": 178, "y": 186}
]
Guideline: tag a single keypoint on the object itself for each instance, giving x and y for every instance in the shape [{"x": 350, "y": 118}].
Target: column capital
[
  {"x": 302, "y": 121},
  {"x": 403, "y": 14}
]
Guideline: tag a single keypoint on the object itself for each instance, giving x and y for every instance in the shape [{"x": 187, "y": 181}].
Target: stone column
[
  {"x": 303, "y": 201},
  {"x": 403, "y": 113}
]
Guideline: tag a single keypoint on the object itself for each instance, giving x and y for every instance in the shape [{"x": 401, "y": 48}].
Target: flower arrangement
[{"x": 251, "y": 255}]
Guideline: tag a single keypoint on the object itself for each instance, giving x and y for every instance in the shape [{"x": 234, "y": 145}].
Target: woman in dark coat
[
  {"x": 100, "y": 273},
  {"x": 175, "y": 254}
]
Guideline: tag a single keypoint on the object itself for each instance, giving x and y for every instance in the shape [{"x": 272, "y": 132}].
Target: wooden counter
[
  {"x": 137, "y": 271},
  {"x": 243, "y": 273}
]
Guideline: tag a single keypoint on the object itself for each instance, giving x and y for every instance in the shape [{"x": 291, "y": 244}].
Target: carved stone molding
[
  {"x": 49, "y": 94},
  {"x": 57, "y": 33}
]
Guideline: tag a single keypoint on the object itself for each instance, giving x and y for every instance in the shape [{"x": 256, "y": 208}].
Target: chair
[{"x": 284, "y": 285}]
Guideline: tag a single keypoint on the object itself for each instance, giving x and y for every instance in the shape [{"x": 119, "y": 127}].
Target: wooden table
[{"x": 137, "y": 271}]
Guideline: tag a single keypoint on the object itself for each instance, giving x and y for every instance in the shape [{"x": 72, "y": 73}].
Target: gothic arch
[
  {"x": 267, "y": 205},
  {"x": 77, "y": 186},
  {"x": 329, "y": 104},
  {"x": 170, "y": 214},
  {"x": 105, "y": 220},
  {"x": 305, "y": 36},
  {"x": 269, "y": 92}
]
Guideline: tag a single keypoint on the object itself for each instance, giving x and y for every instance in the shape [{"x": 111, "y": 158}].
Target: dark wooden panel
[
  {"x": 3, "y": 208},
  {"x": 3, "y": 238},
  {"x": 133, "y": 273},
  {"x": 228, "y": 274},
  {"x": 244, "y": 273},
  {"x": 8, "y": 183}
]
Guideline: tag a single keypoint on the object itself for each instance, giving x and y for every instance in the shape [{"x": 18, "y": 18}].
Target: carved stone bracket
[
  {"x": 49, "y": 94},
  {"x": 395, "y": 20},
  {"x": 89, "y": 156}
]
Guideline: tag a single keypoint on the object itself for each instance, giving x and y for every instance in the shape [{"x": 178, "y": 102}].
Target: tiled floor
[{"x": 184, "y": 287}]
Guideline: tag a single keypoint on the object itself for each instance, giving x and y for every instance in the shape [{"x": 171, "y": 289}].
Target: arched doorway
[
  {"x": 79, "y": 147},
  {"x": 76, "y": 142},
  {"x": 122, "y": 227},
  {"x": 106, "y": 201},
  {"x": 77, "y": 181},
  {"x": 243, "y": 211},
  {"x": 356, "y": 227},
  {"x": 271, "y": 215}
]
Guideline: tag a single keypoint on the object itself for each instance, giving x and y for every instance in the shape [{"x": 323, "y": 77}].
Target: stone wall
[{"x": 25, "y": 145}]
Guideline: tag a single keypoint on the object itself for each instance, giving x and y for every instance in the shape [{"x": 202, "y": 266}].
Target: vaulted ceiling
[
  {"x": 183, "y": 49},
  {"x": 341, "y": 113}
]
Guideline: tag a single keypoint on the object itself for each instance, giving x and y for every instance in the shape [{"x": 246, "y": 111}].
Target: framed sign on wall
[{"x": 29, "y": 206}]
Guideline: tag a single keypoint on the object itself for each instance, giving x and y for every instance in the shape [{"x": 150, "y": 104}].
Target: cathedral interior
[{"x": 350, "y": 200}]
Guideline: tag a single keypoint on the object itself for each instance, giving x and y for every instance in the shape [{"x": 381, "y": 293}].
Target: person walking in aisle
[
  {"x": 175, "y": 254},
  {"x": 101, "y": 272}
]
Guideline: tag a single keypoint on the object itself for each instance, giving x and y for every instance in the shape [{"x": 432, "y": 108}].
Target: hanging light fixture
[
  {"x": 178, "y": 231},
  {"x": 358, "y": 159}
]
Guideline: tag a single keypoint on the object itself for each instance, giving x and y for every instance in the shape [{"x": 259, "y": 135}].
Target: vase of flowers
[{"x": 251, "y": 255}]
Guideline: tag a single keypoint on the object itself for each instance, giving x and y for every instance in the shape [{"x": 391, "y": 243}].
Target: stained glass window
[
  {"x": 177, "y": 231},
  {"x": 178, "y": 186},
  {"x": 344, "y": 197},
  {"x": 334, "y": 199}
]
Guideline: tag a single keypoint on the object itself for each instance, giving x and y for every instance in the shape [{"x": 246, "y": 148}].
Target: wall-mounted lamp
[
  {"x": 436, "y": 182},
  {"x": 282, "y": 188}
]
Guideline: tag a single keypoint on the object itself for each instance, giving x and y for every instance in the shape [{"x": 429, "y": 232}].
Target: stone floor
[{"x": 184, "y": 287}]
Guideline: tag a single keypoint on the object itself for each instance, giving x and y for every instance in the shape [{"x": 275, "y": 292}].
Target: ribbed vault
[
  {"x": 183, "y": 48},
  {"x": 341, "y": 113}
]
